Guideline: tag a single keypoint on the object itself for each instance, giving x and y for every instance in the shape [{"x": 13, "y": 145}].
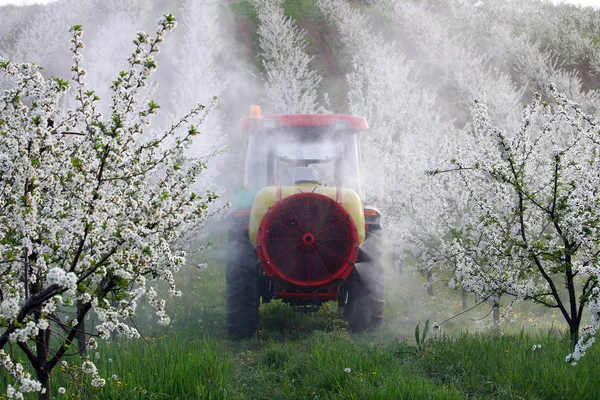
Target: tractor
[{"x": 298, "y": 229}]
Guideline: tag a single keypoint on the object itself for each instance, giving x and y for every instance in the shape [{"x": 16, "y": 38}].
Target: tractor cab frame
[{"x": 328, "y": 144}]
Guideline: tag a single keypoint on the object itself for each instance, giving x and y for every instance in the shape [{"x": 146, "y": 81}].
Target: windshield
[{"x": 288, "y": 155}]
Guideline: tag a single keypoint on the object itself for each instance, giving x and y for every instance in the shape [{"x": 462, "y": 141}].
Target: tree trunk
[
  {"x": 42, "y": 346},
  {"x": 397, "y": 262},
  {"x": 496, "y": 314},
  {"x": 496, "y": 318},
  {"x": 43, "y": 376},
  {"x": 429, "y": 283},
  {"x": 574, "y": 331},
  {"x": 81, "y": 343},
  {"x": 465, "y": 304},
  {"x": 575, "y": 317},
  {"x": 41, "y": 370}
]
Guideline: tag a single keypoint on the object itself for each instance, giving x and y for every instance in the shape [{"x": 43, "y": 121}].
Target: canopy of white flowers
[{"x": 90, "y": 205}]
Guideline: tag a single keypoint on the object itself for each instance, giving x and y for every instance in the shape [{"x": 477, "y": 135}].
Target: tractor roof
[{"x": 353, "y": 122}]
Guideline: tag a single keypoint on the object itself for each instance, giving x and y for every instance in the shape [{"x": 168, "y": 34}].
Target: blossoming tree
[
  {"x": 89, "y": 207},
  {"x": 531, "y": 230},
  {"x": 290, "y": 84}
]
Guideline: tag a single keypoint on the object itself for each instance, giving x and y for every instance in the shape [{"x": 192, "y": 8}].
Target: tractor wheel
[
  {"x": 242, "y": 297},
  {"x": 366, "y": 289}
]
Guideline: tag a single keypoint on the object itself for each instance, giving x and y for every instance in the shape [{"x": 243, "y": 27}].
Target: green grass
[
  {"x": 508, "y": 367},
  {"x": 316, "y": 368},
  {"x": 168, "y": 367},
  {"x": 301, "y": 9},
  {"x": 305, "y": 356},
  {"x": 276, "y": 366}
]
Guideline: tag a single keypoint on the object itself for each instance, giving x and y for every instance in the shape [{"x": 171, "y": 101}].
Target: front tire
[
  {"x": 242, "y": 297},
  {"x": 366, "y": 288}
]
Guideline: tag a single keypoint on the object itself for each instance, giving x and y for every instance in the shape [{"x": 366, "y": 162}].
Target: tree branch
[
  {"x": 33, "y": 302},
  {"x": 522, "y": 224},
  {"x": 32, "y": 358}
]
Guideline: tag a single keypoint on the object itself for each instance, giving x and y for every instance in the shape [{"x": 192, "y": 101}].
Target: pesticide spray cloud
[{"x": 413, "y": 69}]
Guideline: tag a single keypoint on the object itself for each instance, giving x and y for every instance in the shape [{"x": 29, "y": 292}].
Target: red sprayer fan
[{"x": 307, "y": 239}]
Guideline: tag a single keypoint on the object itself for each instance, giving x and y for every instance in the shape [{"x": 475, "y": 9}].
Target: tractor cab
[{"x": 290, "y": 148}]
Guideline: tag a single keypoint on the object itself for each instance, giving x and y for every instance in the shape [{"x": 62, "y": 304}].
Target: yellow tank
[{"x": 267, "y": 196}]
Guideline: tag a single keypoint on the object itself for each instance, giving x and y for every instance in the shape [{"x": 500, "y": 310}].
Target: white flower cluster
[
  {"x": 110, "y": 317},
  {"x": 89, "y": 368},
  {"x": 23, "y": 334},
  {"x": 51, "y": 305},
  {"x": 58, "y": 276},
  {"x": 24, "y": 382},
  {"x": 9, "y": 307}
]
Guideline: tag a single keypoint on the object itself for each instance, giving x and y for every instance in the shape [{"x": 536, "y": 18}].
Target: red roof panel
[{"x": 354, "y": 122}]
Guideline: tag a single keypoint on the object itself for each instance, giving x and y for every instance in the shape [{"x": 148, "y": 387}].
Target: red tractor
[{"x": 298, "y": 230}]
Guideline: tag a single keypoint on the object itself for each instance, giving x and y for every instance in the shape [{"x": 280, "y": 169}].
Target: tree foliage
[
  {"x": 531, "y": 228},
  {"x": 90, "y": 206}
]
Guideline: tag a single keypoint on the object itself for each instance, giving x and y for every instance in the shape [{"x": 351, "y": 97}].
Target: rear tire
[
  {"x": 242, "y": 297},
  {"x": 366, "y": 288}
]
